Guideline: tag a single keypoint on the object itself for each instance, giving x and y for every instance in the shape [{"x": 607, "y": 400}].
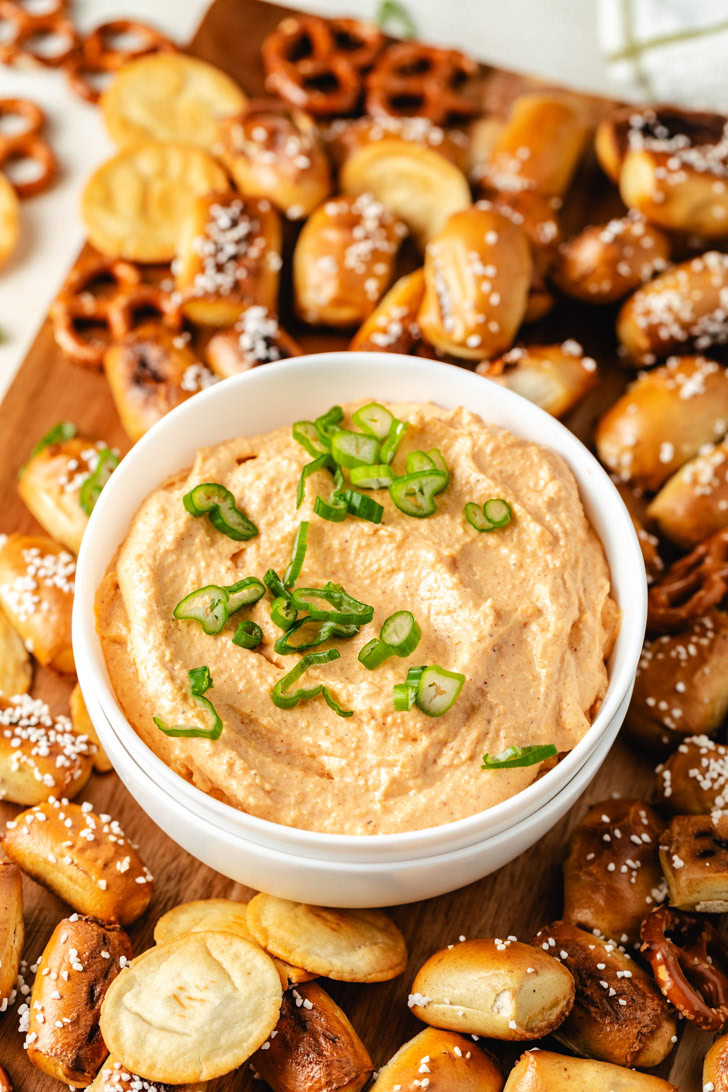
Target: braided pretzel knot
[
  {"x": 317, "y": 64},
  {"x": 689, "y": 960},
  {"x": 26, "y": 144},
  {"x": 691, "y": 586},
  {"x": 99, "y": 55},
  {"x": 415, "y": 80},
  {"x": 25, "y": 26}
]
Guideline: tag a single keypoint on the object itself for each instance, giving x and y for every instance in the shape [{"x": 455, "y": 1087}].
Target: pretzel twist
[
  {"x": 26, "y": 25},
  {"x": 98, "y": 55},
  {"x": 691, "y": 586},
  {"x": 78, "y": 305},
  {"x": 689, "y": 960},
  {"x": 415, "y": 80},
  {"x": 27, "y": 144}
]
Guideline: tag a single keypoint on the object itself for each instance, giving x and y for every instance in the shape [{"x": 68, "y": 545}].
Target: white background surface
[{"x": 553, "y": 38}]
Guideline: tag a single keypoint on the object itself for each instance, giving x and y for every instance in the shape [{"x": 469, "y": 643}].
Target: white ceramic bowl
[{"x": 257, "y": 402}]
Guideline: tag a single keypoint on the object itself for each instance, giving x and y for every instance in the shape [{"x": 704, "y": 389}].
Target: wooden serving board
[{"x": 516, "y": 900}]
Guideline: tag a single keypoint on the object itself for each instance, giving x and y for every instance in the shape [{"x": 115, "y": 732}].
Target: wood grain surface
[{"x": 516, "y": 900}]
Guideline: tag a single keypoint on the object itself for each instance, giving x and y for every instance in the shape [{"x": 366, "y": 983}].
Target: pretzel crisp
[
  {"x": 28, "y": 29},
  {"x": 100, "y": 53},
  {"x": 690, "y": 963},
  {"x": 317, "y": 64},
  {"x": 26, "y": 144},
  {"x": 415, "y": 80},
  {"x": 691, "y": 586}
]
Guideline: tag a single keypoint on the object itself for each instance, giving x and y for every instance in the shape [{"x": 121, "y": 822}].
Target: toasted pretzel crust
[
  {"x": 715, "y": 1066},
  {"x": 26, "y": 144},
  {"x": 453, "y": 1062},
  {"x": 689, "y": 960},
  {"x": 694, "y": 858},
  {"x": 345, "y": 136},
  {"x": 392, "y": 326},
  {"x": 37, "y": 580},
  {"x": 83, "y": 726},
  {"x": 542, "y": 1071},
  {"x": 631, "y": 127},
  {"x": 649, "y": 543},
  {"x": 81, "y": 302},
  {"x": 12, "y": 932},
  {"x": 9, "y": 220},
  {"x": 79, "y": 963},
  {"x": 411, "y": 79},
  {"x": 691, "y": 587},
  {"x": 40, "y": 756},
  {"x": 605, "y": 262},
  {"x": 16, "y": 669},
  {"x": 256, "y": 338},
  {"x": 50, "y": 486},
  {"x": 694, "y": 779},
  {"x": 555, "y": 377},
  {"x": 693, "y": 504}
]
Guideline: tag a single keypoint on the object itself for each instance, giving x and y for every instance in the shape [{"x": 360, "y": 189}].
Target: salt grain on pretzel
[
  {"x": 392, "y": 326},
  {"x": 40, "y": 754},
  {"x": 604, "y": 263},
  {"x": 83, "y": 726},
  {"x": 115, "y": 1077},
  {"x": 36, "y": 592},
  {"x": 690, "y": 963},
  {"x": 693, "y": 504},
  {"x": 345, "y": 136},
  {"x": 256, "y": 338},
  {"x": 691, "y": 586},
  {"x": 12, "y": 933},
  {"x": 445, "y": 1060},
  {"x": 16, "y": 672},
  {"x": 694, "y": 779},
  {"x": 694, "y": 858},
  {"x": 554, "y": 377},
  {"x": 411, "y": 79}
]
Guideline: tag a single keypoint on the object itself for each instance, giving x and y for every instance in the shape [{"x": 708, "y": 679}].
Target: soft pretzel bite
[
  {"x": 453, "y": 1063},
  {"x": 16, "y": 671},
  {"x": 256, "y": 338},
  {"x": 228, "y": 257},
  {"x": 555, "y": 377},
  {"x": 83, "y": 726},
  {"x": 682, "y": 307},
  {"x": 478, "y": 271},
  {"x": 715, "y": 1066},
  {"x": 12, "y": 931},
  {"x": 539, "y": 146},
  {"x": 9, "y": 219},
  {"x": 498, "y": 988},
  {"x": 314, "y": 1048},
  {"x": 612, "y": 873},
  {"x": 150, "y": 371},
  {"x": 694, "y": 858},
  {"x": 79, "y": 963},
  {"x": 694, "y": 779},
  {"x": 392, "y": 326},
  {"x": 344, "y": 260},
  {"x": 345, "y": 136},
  {"x": 629, "y": 127},
  {"x": 627, "y": 1021},
  {"x": 82, "y": 857},
  {"x": 649, "y": 543},
  {"x": 275, "y": 152},
  {"x": 40, "y": 755},
  {"x": 663, "y": 419},
  {"x": 693, "y": 503},
  {"x": 115, "y": 1077},
  {"x": 681, "y": 688},
  {"x": 36, "y": 592},
  {"x": 605, "y": 262},
  {"x": 544, "y": 1071}
]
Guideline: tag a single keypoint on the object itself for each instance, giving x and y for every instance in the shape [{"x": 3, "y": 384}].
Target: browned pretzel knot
[
  {"x": 101, "y": 53},
  {"x": 415, "y": 80},
  {"x": 85, "y": 300},
  {"x": 26, "y": 144},
  {"x": 317, "y": 64},
  {"x": 28, "y": 30},
  {"x": 689, "y": 960},
  {"x": 691, "y": 586}
]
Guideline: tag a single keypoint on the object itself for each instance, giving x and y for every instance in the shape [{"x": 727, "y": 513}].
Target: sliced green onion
[
  {"x": 374, "y": 653},
  {"x": 248, "y": 634},
  {"x": 282, "y": 612},
  {"x": 394, "y": 438},
  {"x": 394, "y": 18},
  {"x": 200, "y": 683},
  {"x": 333, "y": 704},
  {"x": 284, "y": 697},
  {"x": 363, "y": 507},
  {"x": 436, "y": 457},
  {"x": 275, "y": 585},
  {"x": 91, "y": 487},
  {"x": 514, "y": 756},
  {"x": 64, "y": 430},
  {"x": 323, "y": 462},
  {"x": 475, "y": 517},
  {"x": 415, "y": 674},
  {"x": 403, "y": 697},
  {"x": 329, "y": 423},
  {"x": 417, "y": 460},
  {"x": 297, "y": 557},
  {"x": 243, "y": 593},
  {"x": 401, "y": 633},
  {"x": 307, "y": 633},
  {"x": 354, "y": 449},
  {"x": 208, "y": 606},
  {"x": 308, "y": 437},
  {"x": 438, "y": 690},
  {"x": 374, "y": 419},
  {"x": 372, "y": 477},
  {"x": 332, "y": 604},
  {"x": 217, "y": 502},
  {"x": 414, "y": 494},
  {"x": 497, "y": 512},
  {"x": 335, "y": 509}
]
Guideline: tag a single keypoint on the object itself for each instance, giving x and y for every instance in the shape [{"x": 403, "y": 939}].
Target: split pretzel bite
[
  {"x": 605, "y": 262},
  {"x": 40, "y": 756},
  {"x": 12, "y": 931},
  {"x": 664, "y": 418},
  {"x": 36, "y": 592},
  {"x": 82, "y": 857},
  {"x": 344, "y": 260},
  {"x": 691, "y": 586},
  {"x": 694, "y": 779},
  {"x": 612, "y": 873},
  {"x": 228, "y": 257},
  {"x": 453, "y": 1062},
  {"x": 275, "y": 152},
  {"x": 555, "y": 377},
  {"x": 16, "y": 671},
  {"x": 694, "y": 857},
  {"x": 543, "y": 1071},
  {"x": 619, "y": 1015},
  {"x": 256, "y": 338},
  {"x": 79, "y": 963},
  {"x": 392, "y": 326},
  {"x": 690, "y": 963},
  {"x": 693, "y": 504},
  {"x": 478, "y": 271},
  {"x": 314, "y": 1048}
]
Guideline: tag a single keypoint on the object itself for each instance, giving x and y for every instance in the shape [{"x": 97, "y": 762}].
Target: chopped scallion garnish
[
  {"x": 200, "y": 683},
  {"x": 215, "y": 501},
  {"x": 91, "y": 487},
  {"x": 298, "y": 555},
  {"x": 286, "y": 698},
  {"x": 248, "y": 634},
  {"x": 514, "y": 757},
  {"x": 414, "y": 494}
]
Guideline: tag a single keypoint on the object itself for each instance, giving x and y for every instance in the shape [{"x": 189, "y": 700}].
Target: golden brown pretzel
[
  {"x": 306, "y": 55},
  {"x": 256, "y": 338},
  {"x": 631, "y": 127},
  {"x": 411, "y": 79},
  {"x": 606, "y": 262},
  {"x": 27, "y": 145},
  {"x": 392, "y": 326},
  {"x": 127, "y": 309},
  {"x": 689, "y": 960},
  {"x": 691, "y": 586},
  {"x": 693, "y": 503},
  {"x": 345, "y": 136},
  {"x": 543, "y": 1071},
  {"x": 555, "y": 377},
  {"x": 694, "y": 779},
  {"x": 78, "y": 304},
  {"x": 694, "y": 859},
  {"x": 715, "y": 1066},
  {"x": 27, "y": 25},
  {"x": 99, "y": 55}
]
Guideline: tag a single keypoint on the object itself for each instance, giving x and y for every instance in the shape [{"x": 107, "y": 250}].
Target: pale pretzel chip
[
  {"x": 9, "y": 219},
  {"x": 133, "y": 205},
  {"x": 192, "y": 1009},
  {"x": 16, "y": 672},
  {"x": 349, "y": 945},
  {"x": 169, "y": 96},
  {"x": 219, "y": 916}
]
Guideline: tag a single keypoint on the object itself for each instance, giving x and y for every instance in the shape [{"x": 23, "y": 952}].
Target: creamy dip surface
[{"x": 524, "y": 612}]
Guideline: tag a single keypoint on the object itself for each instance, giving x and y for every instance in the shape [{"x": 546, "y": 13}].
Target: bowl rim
[{"x": 594, "y": 485}]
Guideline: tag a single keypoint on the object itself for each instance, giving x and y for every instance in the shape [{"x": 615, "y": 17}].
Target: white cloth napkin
[{"x": 668, "y": 50}]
